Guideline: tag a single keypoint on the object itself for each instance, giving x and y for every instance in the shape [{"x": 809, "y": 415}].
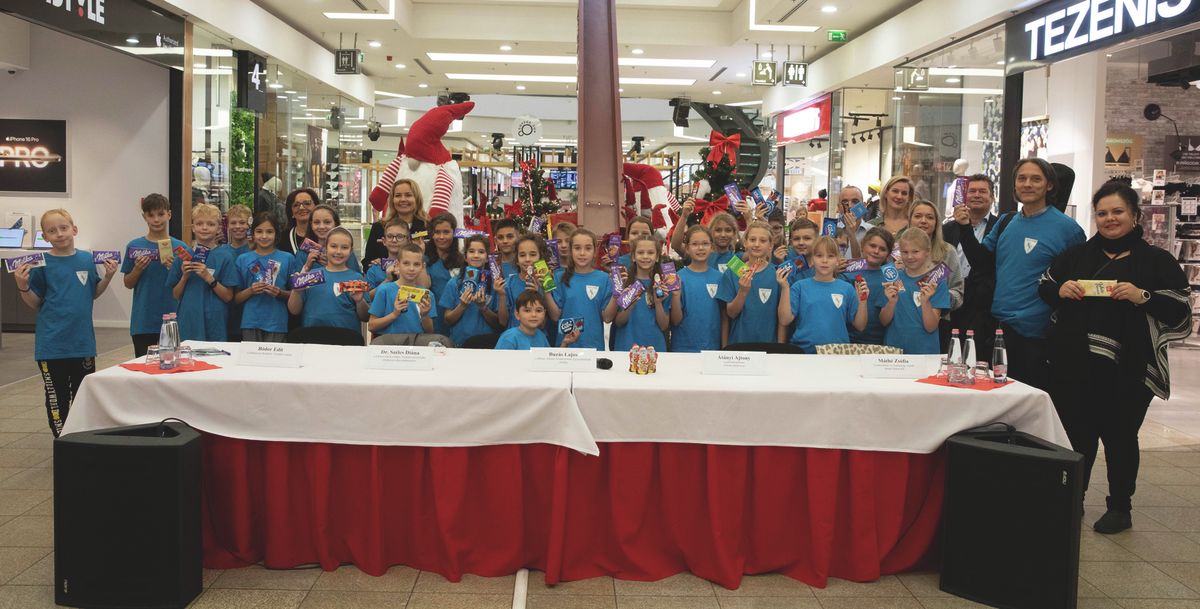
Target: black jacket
[{"x": 979, "y": 285}]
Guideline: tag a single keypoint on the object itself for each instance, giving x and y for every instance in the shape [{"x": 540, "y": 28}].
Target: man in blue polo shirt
[{"x": 1022, "y": 247}]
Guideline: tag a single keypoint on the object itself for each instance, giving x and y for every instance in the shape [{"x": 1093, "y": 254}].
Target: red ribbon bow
[{"x": 720, "y": 145}]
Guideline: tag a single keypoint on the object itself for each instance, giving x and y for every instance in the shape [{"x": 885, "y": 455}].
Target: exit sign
[{"x": 838, "y": 36}]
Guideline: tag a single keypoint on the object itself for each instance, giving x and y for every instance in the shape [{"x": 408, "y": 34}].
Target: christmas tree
[{"x": 718, "y": 172}]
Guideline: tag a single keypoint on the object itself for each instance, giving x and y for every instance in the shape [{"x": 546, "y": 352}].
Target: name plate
[
  {"x": 1097, "y": 288},
  {"x": 394, "y": 357},
  {"x": 562, "y": 360},
  {"x": 739, "y": 363},
  {"x": 272, "y": 355},
  {"x": 898, "y": 366}
]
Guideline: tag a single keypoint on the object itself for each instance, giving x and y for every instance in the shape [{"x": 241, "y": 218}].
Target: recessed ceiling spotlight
[
  {"x": 716, "y": 92},
  {"x": 766, "y": 55},
  {"x": 423, "y": 86},
  {"x": 400, "y": 66},
  {"x": 520, "y": 87},
  {"x": 637, "y": 51},
  {"x": 374, "y": 44},
  {"x": 302, "y": 97},
  {"x": 275, "y": 85},
  {"x": 953, "y": 80},
  {"x": 740, "y": 75},
  {"x": 620, "y": 90},
  {"x": 1000, "y": 63},
  {"x": 132, "y": 40},
  {"x": 506, "y": 47},
  {"x": 201, "y": 65},
  {"x": 829, "y": 8},
  {"x": 896, "y": 98}
]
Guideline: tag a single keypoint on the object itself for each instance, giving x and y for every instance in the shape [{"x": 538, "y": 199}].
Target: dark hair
[
  {"x": 656, "y": 269},
  {"x": 454, "y": 257},
  {"x": 264, "y": 217},
  {"x": 337, "y": 218},
  {"x": 155, "y": 202},
  {"x": 466, "y": 244},
  {"x": 1047, "y": 171},
  {"x": 1127, "y": 194},
  {"x": 527, "y": 297},
  {"x": 291, "y": 200},
  {"x": 803, "y": 223},
  {"x": 882, "y": 233},
  {"x": 542, "y": 248},
  {"x": 569, "y": 266},
  {"x": 776, "y": 216},
  {"x": 638, "y": 220},
  {"x": 983, "y": 177},
  {"x": 499, "y": 225}
]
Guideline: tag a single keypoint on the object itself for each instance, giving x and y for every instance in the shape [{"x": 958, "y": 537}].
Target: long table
[{"x": 482, "y": 466}]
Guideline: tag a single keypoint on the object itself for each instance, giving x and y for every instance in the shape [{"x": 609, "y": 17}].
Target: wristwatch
[
  {"x": 1145, "y": 297},
  {"x": 213, "y": 283}
]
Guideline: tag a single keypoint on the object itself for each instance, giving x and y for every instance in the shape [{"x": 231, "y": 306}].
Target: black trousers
[
  {"x": 62, "y": 378},
  {"x": 1108, "y": 409},
  {"x": 1026, "y": 358},
  {"x": 142, "y": 342}
]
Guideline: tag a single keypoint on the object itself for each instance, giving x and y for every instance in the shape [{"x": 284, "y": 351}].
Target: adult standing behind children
[
  {"x": 1020, "y": 248},
  {"x": 146, "y": 273},
  {"x": 406, "y": 203},
  {"x": 978, "y": 283},
  {"x": 62, "y": 293}
]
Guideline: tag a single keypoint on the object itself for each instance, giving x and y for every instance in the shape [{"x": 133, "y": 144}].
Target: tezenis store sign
[{"x": 1066, "y": 28}]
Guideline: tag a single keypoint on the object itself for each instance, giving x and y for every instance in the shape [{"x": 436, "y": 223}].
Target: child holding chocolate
[
  {"x": 62, "y": 290},
  {"x": 695, "y": 313},
  {"x": 530, "y": 313},
  {"x": 644, "y": 307},
  {"x": 530, "y": 249},
  {"x": 726, "y": 245},
  {"x": 822, "y": 305},
  {"x": 877, "y": 246},
  {"x": 392, "y": 311},
  {"x": 750, "y": 293},
  {"x": 395, "y": 236},
  {"x": 584, "y": 292},
  {"x": 262, "y": 276},
  {"x": 639, "y": 227},
  {"x": 325, "y": 303},
  {"x": 324, "y": 219},
  {"x": 505, "y": 233},
  {"x": 442, "y": 260},
  {"x": 914, "y": 303},
  {"x": 802, "y": 232},
  {"x": 468, "y": 300},
  {"x": 147, "y": 261},
  {"x": 237, "y": 235},
  {"x": 200, "y": 278}
]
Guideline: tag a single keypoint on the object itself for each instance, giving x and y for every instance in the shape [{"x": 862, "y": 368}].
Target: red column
[{"x": 599, "y": 116}]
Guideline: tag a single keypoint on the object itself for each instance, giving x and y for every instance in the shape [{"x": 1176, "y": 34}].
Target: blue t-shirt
[
  {"x": 586, "y": 298},
  {"x": 700, "y": 328},
  {"x": 513, "y": 286},
  {"x": 471, "y": 323},
  {"x": 509, "y": 268},
  {"x": 202, "y": 314},
  {"x": 907, "y": 329},
  {"x": 151, "y": 297},
  {"x": 323, "y": 308},
  {"x": 439, "y": 275},
  {"x": 720, "y": 260},
  {"x": 873, "y": 334},
  {"x": 823, "y": 310},
  {"x": 376, "y": 275},
  {"x": 641, "y": 328},
  {"x": 1023, "y": 253},
  {"x": 800, "y": 270},
  {"x": 67, "y": 287},
  {"x": 264, "y": 311},
  {"x": 234, "y": 316},
  {"x": 759, "y": 318},
  {"x": 408, "y": 322},
  {"x": 514, "y": 339}
]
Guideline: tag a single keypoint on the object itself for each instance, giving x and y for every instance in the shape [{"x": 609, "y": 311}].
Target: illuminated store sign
[
  {"x": 133, "y": 26},
  {"x": 33, "y": 156},
  {"x": 804, "y": 123},
  {"x": 1066, "y": 28}
]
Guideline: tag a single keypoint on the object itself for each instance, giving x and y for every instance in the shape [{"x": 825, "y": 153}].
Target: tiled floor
[{"x": 1154, "y": 566}]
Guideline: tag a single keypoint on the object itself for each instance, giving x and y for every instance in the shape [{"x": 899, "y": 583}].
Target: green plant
[{"x": 241, "y": 158}]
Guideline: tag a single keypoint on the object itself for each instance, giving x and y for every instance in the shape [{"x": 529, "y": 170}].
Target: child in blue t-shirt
[
  {"x": 822, "y": 305},
  {"x": 204, "y": 285},
  {"x": 469, "y": 301},
  {"x": 325, "y": 304},
  {"x": 751, "y": 297},
  {"x": 530, "y": 248},
  {"x": 914, "y": 305},
  {"x": 506, "y": 232},
  {"x": 724, "y": 229},
  {"x": 391, "y": 310},
  {"x": 321, "y": 222},
  {"x": 584, "y": 292},
  {"x": 530, "y": 313},
  {"x": 237, "y": 235},
  {"x": 62, "y": 293},
  {"x": 876, "y": 250},
  {"x": 395, "y": 236},
  {"x": 146, "y": 274},
  {"x": 443, "y": 260},
  {"x": 264, "y": 314},
  {"x": 646, "y": 318},
  {"x": 802, "y": 233},
  {"x": 695, "y": 312},
  {"x": 640, "y": 227}
]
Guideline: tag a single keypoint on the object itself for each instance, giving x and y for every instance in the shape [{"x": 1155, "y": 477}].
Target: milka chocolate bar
[
  {"x": 34, "y": 260},
  {"x": 200, "y": 254},
  {"x": 102, "y": 256},
  {"x": 134, "y": 253},
  {"x": 299, "y": 281}
]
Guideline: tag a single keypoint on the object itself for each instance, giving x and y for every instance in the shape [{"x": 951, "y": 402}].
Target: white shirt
[{"x": 980, "y": 230}]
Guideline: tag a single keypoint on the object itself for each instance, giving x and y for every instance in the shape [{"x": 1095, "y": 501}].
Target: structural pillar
[{"x": 599, "y": 117}]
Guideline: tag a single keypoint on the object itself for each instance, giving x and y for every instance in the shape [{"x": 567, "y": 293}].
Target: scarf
[{"x": 1121, "y": 244}]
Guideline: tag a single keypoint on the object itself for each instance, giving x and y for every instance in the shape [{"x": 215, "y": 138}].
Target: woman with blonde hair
[
  {"x": 406, "y": 203},
  {"x": 894, "y": 206},
  {"x": 924, "y": 216}
]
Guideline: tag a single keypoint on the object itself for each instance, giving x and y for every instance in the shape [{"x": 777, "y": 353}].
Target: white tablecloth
[
  {"x": 470, "y": 398},
  {"x": 804, "y": 401}
]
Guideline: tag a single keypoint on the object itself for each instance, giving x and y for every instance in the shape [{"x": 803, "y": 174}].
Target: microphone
[{"x": 603, "y": 363}]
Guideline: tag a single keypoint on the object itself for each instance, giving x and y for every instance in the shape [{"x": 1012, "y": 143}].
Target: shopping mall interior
[{"x": 233, "y": 102}]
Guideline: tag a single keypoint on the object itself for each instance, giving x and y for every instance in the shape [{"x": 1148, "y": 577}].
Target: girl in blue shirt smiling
[
  {"x": 584, "y": 292},
  {"x": 443, "y": 259},
  {"x": 646, "y": 318},
  {"x": 822, "y": 305},
  {"x": 914, "y": 305},
  {"x": 320, "y": 305},
  {"x": 264, "y": 317},
  {"x": 469, "y": 301},
  {"x": 695, "y": 313},
  {"x": 751, "y": 312}
]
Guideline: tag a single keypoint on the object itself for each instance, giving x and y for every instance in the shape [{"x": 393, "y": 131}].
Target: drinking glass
[
  {"x": 185, "y": 357},
  {"x": 152, "y": 357}
]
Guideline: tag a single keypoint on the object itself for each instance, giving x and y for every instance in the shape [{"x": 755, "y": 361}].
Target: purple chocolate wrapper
[
  {"x": 137, "y": 252},
  {"x": 306, "y": 280},
  {"x": 537, "y": 224},
  {"x": 101, "y": 256},
  {"x": 938, "y": 273},
  {"x": 629, "y": 295},
  {"x": 555, "y": 260},
  {"x": 200, "y": 254},
  {"x": 311, "y": 246},
  {"x": 494, "y": 265},
  {"x": 12, "y": 264},
  {"x": 856, "y": 265},
  {"x": 614, "y": 276},
  {"x": 670, "y": 277},
  {"x": 463, "y": 233}
]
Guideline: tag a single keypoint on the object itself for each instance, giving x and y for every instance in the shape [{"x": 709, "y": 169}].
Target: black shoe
[{"x": 1113, "y": 521}]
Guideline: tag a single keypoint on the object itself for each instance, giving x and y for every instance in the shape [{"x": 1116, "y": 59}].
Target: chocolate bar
[
  {"x": 134, "y": 253},
  {"x": 299, "y": 281},
  {"x": 537, "y": 224},
  {"x": 182, "y": 253},
  {"x": 200, "y": 254},
  {"x": 412, "y": 293},
  {"x": 759, "y": 199},
  {"x": 164, "y": 249},
  {"x": 890, "y": 272},
  {"x": 859, "y": 210},
  {"x": 555, "y": 259},
  {"x": 311, "y": 247},
  {"x": 548, "y": 284},
  {"x": 670, "y": 278},
  {"x": 896, "y": 253},
  {"x": 856, "y": 265},
  {"x": 829, "y": 227},
  {"x": 958, "y": 193},
  {"x": 629, "y": 295},
  {"x": 34, "y": 260},
  {"x": 463, "y": 233},
  {"x": 350, "y": 287},
  {"x": 938, "y": 273},
  {"x": 418, "y": 235},
  {"x": 102, "y": 256},
  {"x": 735, "y": 196},
  {"x": 614, "y": 275},
  {"x": 737, "y": 265},
  {"x": 1097, "y": 287},
  {"x": 494, "y": 265},
  {"x": 569, "y": 325}
]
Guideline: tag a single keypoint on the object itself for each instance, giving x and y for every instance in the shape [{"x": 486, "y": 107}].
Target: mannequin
[{"x": 960, "y": 170}]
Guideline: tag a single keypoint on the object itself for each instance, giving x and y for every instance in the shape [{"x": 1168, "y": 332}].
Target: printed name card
[
  {"x": 739, "y": 363},
  {"x": 1097, "y": 288},
  {"x": 898, "y": 366},
  {"x": 395, "y": 357},
  {"x": 562, "y": 360},
  {"x": 272, "y": 355}
]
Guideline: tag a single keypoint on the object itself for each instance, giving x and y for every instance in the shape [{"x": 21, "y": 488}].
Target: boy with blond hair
[{"x": 201, "y": 284}]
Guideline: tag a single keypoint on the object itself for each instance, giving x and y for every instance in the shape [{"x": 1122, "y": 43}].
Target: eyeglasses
[
  {"x": 395, "y": 237},
  {"x": 304, "y": 204}
]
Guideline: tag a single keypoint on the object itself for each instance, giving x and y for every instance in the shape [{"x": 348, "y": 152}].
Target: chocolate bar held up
[
  {"x": 670, "y": 278},
  {"x": 309, "y": 246},
  {"x": 411, "y": 293},
  {"x": 164, "y": 249},
  {"x": 614, "y": 276},
  {"x": 569, "y": 325},
  {"x": 629, "y": 295},
  {"x": 937, "y": 275},
  {"x": 555, "y": 259},
  {"x": 737, "y": 265},
  {"x": 299, "y": 281},
  {"x": 463, "y": 233},
  {"x": 102, "y": 256},
  {"x": 494, "y": 265},
  {"x": 735, "y": 196},
  {"x": 134, "y": 253},
  {"x": 350, "y": 287},
  {"x": 34, "y": 260},
  {"x": 200, "y": 254},
  {"x": 548, "y": 284},
  {"x": 855, "y": 265},
  {"x": 182, "y": 253}
]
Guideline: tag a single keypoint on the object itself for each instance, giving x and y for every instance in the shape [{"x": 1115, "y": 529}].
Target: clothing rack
[{"x": 1181, "y": 196}]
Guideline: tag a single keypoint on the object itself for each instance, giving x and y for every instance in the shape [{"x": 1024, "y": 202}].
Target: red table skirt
[{"x": 639, "y": 511}]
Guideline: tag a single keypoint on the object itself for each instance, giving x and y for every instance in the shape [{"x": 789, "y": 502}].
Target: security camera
[
  {"x": 336, "y": 118},
  {"x": 11, "y": 72},
  {"x": 373, "y": 130}
]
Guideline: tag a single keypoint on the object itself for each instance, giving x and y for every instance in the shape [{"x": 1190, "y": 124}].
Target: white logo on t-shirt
[
  {"x": 712, "y": 289},
  {"x": 837, "y": 300},
  {"x": 917, "y": 299},
  {"x": 455, "y": 272},
  {"x": 1030, "y": 243},
  {"x": 592, "y": 290},
  {"x": 722, "y": 267},
  {"x": 83, "y": 277},
  {"x": 764, "y": 294}
]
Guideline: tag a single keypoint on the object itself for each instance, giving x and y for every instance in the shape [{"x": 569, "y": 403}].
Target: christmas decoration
[{"x": 426, "y": 161}]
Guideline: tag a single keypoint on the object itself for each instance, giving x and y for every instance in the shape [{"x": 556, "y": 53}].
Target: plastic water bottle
[
  {"x": 953, "y": 356},
  {"x": 999, "y": 360},
  {"x": 167, "y": 344}
]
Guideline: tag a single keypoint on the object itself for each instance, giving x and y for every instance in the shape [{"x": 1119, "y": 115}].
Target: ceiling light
[
  {"x": 897, "y": 98},
  {"x": 390, "y": 94},
  {"x": 953, "y": 80},
  {"x": 777, "y": 28},
  {"x": 275, "y": 85},
  {"x": 620, "y": 90},
  {"x": 374, "y": 44},
  {"x": 740, "y": 75},
  {"x": 829, "y": 8},
  {"x": 132, "y": 40},
  {"x": 1000, "y": 63},
  {"x": 568, "y": 60},
  {"x": 423, "y": 86},
  {"x": 746, "y": 103},
  {"x": 281, "y": 97},
  {"x": 506, "y": 47},
  {"x": 388, "y": 16},
  {"x": 302, "y": 97},
  {"x": 765, "y": 55},
  {"x": 956, "y": 71},
  {"x": 290, "y": 92},
  {"x": 959, "y": 91},
  {"x": 520, "y": 87},
  {"x": 683, "y": 82},
  {"x": 400, "y": 66},
  {"x": 680, "y": 82},
  {"x": 199, "y": 65},
  {"x": 637, "y": 51},
  {"x": 212, "y": 52},
  {"x": 716, "y": 92}
]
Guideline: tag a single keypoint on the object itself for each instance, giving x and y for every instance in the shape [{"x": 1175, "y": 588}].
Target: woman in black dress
[
  {"x": 405, "y": 203},
  {"x": 299, "y": 207}
]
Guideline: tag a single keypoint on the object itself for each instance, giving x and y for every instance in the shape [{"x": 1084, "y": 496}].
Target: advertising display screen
[{"x": 33, "y": 155}]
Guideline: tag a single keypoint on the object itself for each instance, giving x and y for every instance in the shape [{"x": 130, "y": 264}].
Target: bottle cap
[{"x": 999, "y": 332}]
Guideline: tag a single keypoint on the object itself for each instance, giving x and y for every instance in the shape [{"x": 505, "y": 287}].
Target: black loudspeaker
[
  {"x": 1010, "y": 521},
  {"x": 127, "y": 517}
]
